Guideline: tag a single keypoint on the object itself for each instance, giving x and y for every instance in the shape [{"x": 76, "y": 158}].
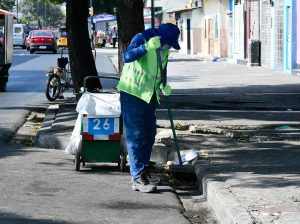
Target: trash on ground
[
  {"x": 158, "y": 166},
  {"x": 75, "y": 141},
  {"x": 169, "y": 163},
  {"x": 289, "y": 110},
  {"x": 188, "y": 157},
  {"x": 202, "y": 153}
]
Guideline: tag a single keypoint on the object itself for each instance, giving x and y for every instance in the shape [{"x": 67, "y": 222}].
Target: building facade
[
  {"x": 215, "y": 27},
  {"x": 239, "y": 26},
  {"x": 290, "y": 35},
  {"x": 266, "y": 32},
  {"x": 228, "y": 28}
]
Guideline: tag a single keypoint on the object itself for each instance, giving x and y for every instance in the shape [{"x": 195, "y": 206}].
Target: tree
[
  {"x": 101, "y": 6},
  {"x": 82, "y": 62},
  {"x": 130, "y": 20},
  {"x": 41, "y": 14},
  {"x": 7, "y": 4},
  {"x": 80, "y": 51}
]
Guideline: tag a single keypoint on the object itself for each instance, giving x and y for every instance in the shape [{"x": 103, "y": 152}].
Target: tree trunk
[
  {"x": 80, "y": 52},
  {"x": 130, "y": 20}
]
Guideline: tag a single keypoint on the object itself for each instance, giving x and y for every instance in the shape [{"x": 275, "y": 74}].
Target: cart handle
[{"x": 97, "y": 77}]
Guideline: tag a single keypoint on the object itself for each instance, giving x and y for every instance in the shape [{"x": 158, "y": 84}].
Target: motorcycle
[{"x": 59, "y": 79}]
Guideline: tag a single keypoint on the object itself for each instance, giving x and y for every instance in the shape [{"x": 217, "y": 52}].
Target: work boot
[
  {"x": 152, "y": 179},
  {"x": 142, "y": 184}
]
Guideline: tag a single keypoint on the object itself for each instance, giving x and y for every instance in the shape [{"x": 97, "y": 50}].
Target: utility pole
[
  {"x": 152, "y": 14},
  {"x": 45, "y": 17},
  {"x": 37, "y": 14},
  {"x": 17, "y": 11}
]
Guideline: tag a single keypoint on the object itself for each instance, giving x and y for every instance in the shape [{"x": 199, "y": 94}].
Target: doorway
[{"x": 188, "y": 27}]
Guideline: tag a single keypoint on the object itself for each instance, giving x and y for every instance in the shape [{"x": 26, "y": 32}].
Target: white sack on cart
[
  {"x": 75, "y": 141},
  {"x": 101, "y": 104}
]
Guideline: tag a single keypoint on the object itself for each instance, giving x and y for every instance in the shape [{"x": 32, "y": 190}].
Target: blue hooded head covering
[{"x": 169, "y": 35}]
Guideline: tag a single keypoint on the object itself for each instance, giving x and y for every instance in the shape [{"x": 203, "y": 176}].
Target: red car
[
  {"x": 28, "y": 39},
  {"x": 42, "y": 40}
]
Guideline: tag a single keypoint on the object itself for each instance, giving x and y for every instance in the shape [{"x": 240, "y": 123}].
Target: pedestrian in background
[
  {"x": 140, "y": 84},
  {"x": 114, "y": 34}
]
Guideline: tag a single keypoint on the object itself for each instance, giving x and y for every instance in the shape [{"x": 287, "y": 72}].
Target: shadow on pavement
[
  {"x": 276, "y": 164},
  {"x": 11, "y": 218}
]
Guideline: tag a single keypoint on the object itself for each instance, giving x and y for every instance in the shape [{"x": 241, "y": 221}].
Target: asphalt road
[{"x": 25, "y": 89}]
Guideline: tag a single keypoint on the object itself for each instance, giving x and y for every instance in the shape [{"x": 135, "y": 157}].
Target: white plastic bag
[
  {"x": 101, "y": 104},
  {"x": 75, "y": 141}
]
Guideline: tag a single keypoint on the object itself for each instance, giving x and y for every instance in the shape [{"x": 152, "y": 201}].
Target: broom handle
[{"x": 170, "y": 112}]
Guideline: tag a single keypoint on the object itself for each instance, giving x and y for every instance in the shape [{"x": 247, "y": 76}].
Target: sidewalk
[{"x": 246, "y": 121}]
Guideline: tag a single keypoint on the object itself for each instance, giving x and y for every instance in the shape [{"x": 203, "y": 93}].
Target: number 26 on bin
[{"x": 101, "y": 126}]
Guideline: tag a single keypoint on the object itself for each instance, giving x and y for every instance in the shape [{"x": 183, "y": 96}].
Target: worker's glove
[
  {"x": 166, "y": 90},
  {"x": 153, "y": 43}
]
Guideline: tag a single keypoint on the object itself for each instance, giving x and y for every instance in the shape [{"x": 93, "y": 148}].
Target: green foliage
[
  {"x": 41, "y": 14},
  {"x": 106, "y": 6},
  {"x": 7, "y": 4}
]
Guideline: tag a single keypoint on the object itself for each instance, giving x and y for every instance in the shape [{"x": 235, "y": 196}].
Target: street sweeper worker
[{"x": 140, "y": 85}]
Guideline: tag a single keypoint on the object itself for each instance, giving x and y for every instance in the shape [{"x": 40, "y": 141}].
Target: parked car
[
  {"x": 28, "y": 39},
  {"x": 19, "y": 35},
  {"x": 62, "y": 40},
  {"x": 42, "y": 40}
]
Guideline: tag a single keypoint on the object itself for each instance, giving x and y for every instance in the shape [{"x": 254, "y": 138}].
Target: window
[{"x": 18, "y": 30}]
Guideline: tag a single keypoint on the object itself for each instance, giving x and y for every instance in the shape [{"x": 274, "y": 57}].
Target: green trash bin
[{"x": 101, "y": 129}]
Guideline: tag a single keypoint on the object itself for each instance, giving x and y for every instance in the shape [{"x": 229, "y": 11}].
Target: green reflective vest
[{"x": 142, "y": 77}]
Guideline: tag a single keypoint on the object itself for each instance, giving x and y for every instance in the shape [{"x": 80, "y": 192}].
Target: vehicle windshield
[
  {"x": 42, "y": 34},
  {"x": 18, "y": 30}
]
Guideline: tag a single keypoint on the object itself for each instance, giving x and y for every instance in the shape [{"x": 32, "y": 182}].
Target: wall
[
  {"x": 215, "y": 28},
  {"x": 224, "y": 28},
  {"x": 254, "y": 19},
  {"x": 183, "y": 41},
  {"x": 278, "y": 42},
  {"x": 265, "y": 32},
  {"x": 196, "y": 30},
  {"x": 238, "y": 31}
]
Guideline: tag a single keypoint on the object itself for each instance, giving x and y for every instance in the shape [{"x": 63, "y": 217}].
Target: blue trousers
[{"x": 140, "y": 123}]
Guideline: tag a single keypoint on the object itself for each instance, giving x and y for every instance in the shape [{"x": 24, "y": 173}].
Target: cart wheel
[
  {"x": 122, "y": 163},
  {"x": 77, "y": 161}
]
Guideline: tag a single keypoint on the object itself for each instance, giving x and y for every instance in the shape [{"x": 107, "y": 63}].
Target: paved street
[{"x": 41, "y": 186}]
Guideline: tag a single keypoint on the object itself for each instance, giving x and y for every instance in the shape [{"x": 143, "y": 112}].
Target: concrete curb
[
  {"x": 45, "y": 138},
  {"x": 227, "y": 209}
]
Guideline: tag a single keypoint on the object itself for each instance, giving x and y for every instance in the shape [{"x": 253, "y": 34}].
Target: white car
[{"x": 19, "y": 36}]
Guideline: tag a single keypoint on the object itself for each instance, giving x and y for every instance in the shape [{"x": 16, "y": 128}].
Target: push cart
[{"x": 101, "y": 129}]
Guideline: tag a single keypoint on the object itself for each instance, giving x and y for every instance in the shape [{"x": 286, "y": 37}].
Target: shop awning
[{"x": 103, "y": 17}]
